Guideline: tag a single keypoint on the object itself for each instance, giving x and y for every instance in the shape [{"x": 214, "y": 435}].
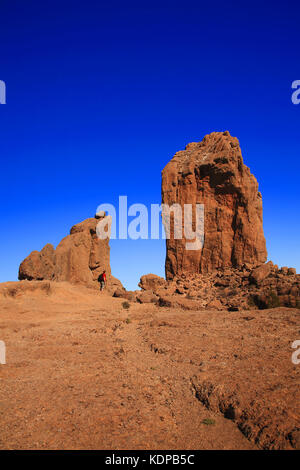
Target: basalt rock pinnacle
[{"x": 212, "y": 173}]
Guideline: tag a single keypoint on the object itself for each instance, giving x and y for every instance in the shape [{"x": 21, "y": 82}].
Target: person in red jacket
[{"x": 102, "y": 280}]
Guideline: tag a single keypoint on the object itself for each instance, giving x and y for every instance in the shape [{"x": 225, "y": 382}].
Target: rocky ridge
[{"x": 266, "y": 286}]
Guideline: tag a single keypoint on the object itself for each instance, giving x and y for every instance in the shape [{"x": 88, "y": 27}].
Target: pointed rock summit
[{"x": 212, "y": 173}]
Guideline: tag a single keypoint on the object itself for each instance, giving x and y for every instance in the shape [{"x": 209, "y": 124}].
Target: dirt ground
[{"x": 82, "y": 372}]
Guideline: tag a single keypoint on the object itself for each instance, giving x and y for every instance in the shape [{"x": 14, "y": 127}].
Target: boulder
[
  {"x": 119, "y": 293},
  {"x": 152, "y": 282},
  {"x": 39, "y": 265},
  {"x": 162, "y": 291},
  {"x": 180, "y": 290},
  {"x": 124, "y": 294},
  {"x": 100, "y": 215},
  {"x": 114, "y": 284},
  {"x": 261, "y": 273},
  {"x": 294, "y": 291},
  {"x": 284, "y": 270},
  {"x": 192, "y": 294}
]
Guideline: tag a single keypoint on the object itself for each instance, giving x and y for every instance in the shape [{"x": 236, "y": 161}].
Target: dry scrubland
[{"x": 83, "y": 372}]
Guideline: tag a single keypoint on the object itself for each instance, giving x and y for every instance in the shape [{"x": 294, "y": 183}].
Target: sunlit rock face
[
  {"x": 79, "y": 258},
  {"x": 212, "y": 173}
]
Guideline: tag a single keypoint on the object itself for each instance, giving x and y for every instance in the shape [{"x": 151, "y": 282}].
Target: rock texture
[
  {"x": 151, "y": 281},
  {"x": 79, "y": 258},
  {"x": 146, "y": 296},
  {"x": 261, "y": 273},
  {"x": 212, "y": 173},
  {"x": 232, "y": 289}
]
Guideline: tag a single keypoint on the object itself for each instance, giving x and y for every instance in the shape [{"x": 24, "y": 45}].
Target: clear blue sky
[{"x": 100, "y": 95}]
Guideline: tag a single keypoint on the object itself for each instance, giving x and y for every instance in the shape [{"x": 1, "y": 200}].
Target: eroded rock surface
[
  {"x": 152, "y": 281},
  {"x": 233, "y": 289},
  {"x": 79, "y": 258},
  {"x": 212, "y": 173}
]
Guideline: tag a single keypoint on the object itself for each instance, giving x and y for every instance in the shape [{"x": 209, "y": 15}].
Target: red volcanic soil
[{"x": 83, "y": 372}]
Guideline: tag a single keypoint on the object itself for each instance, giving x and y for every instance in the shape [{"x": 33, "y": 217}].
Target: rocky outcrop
[
  {"x": 39, "y": 265},
  {"x": 261, "y": 273},
  {"x": 79, "y": 258},
  {"x": 233, "y": 289},
  {"x": 124, "y": 294},
  {"x": 152, "y": 281},
  {"x": 212, "y": 173},
  {"x": 146, "y": 296}
]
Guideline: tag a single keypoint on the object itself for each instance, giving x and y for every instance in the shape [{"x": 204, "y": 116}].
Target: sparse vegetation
[
  {"x": 264, "y": 301},
  {"x": 251, "y": 301},
  {"x": 273, "y": 300},
  {"x": 126, "y": 305},
  {"x": 208, "y": 421},
  {"x": 128, "y": 320}
]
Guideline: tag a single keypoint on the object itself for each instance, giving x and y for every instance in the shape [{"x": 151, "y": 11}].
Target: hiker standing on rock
[{"x": 102, "y": 280}]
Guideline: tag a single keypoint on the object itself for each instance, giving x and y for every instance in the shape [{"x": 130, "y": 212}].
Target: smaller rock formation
[
  {"x": 146, "y": 296},
  {"x": 125, "y": 294},
  {"x": 261, "y": 273},
  {"x": 39, "y": 265},
  {"x": 79, "y": 258},
  {"x": 152, "y": 282}
]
